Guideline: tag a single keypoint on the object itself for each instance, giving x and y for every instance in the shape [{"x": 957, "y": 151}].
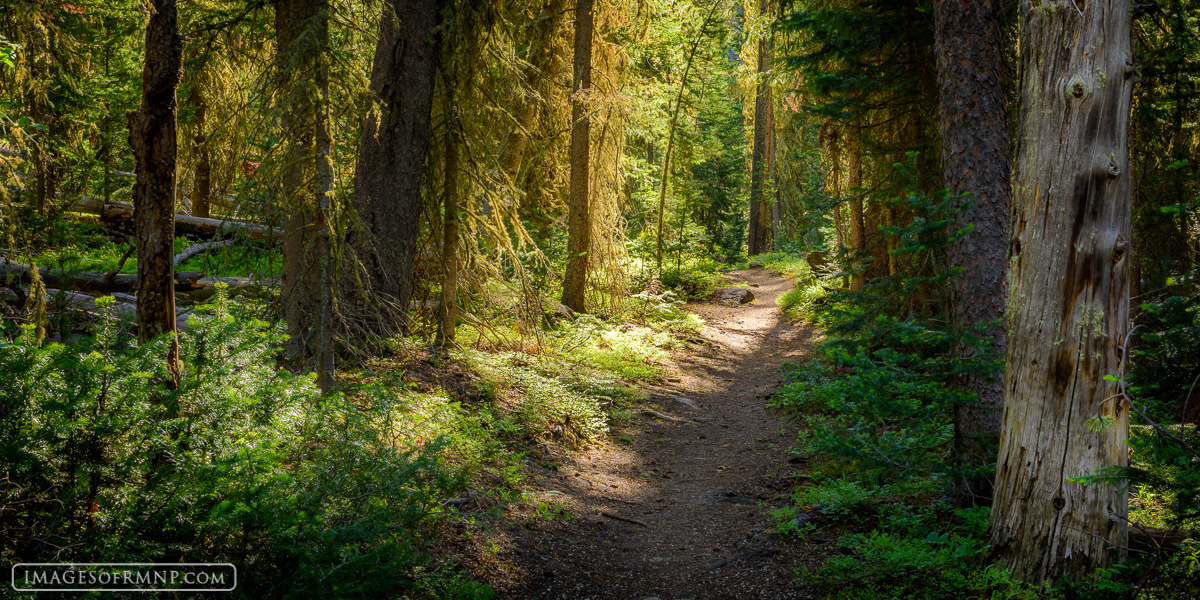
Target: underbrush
[
  {"x": 244, "y": 462},
  {"x": 879, "y": 404},
  {"x": 83, "y": 248}
]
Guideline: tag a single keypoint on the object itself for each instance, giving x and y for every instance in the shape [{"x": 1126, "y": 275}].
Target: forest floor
[{"x": 676, "y": 509}]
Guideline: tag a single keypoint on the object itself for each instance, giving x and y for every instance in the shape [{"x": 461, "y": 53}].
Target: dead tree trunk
[
  {"x": 975, "y": 160},
  {"x": 579, "y": 213},
  {"x": 390, "y": 174},
  {"x": 1068, "y": 303},
  {"x": 153, "y": 135}
]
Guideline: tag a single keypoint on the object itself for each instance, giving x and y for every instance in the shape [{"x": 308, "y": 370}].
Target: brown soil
[{"x": 700, "y": 488}]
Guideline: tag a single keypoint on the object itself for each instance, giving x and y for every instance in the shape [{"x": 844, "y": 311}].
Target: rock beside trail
[
  {"x": 756, "y": 264},
  {"x": 736, "y": 295}
]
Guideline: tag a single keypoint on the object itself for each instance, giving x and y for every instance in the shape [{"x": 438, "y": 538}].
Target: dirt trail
[{"x": 701, "y": 488}]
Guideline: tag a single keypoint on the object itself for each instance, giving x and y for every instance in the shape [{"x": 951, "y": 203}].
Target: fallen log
[
  {"x": 124, "y": 308},
  {"x": 86, "y": 303},
  {"x": 205, "y": 287},
  {"x": 88, "y": 281},
  {"x": 1151, "y": 540},
  {"x": 112, "y": 211},
  {"x": 201, "y": 248}
]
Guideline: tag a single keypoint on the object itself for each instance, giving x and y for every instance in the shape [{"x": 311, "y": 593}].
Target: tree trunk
[
  {"x": 448, "y": 307},
  {"x": 975, "y": 160},
  {"x": 760, "y": 211},
  {"x": 298, "y": 27},
  {"x": 323, "y": 187},
  {"x": 579, "y": 215},
  {"x": 202, "y": 185},
  {"x": 543, "y": 63},
  {"x": 390, "y": 174},
  {"x": 1068, "y": 307},
  {"x": 858, "y": 238},
  {"x": 153, "y": 137}
]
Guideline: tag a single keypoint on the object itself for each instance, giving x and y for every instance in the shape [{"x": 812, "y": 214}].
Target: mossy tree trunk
[
  {"x": 202, "y": 184},
  {"x": 302, "y": 38},
  {"x": 543, "y": 64},
  {"x": 448, "y": 307},
  {"x": 1068, "y": 303}
]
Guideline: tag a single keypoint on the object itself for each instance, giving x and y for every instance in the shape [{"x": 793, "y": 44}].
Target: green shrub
[
  {"x": 690, "y": 283},
  {"x": 541, "y": 400},
  {"x": 941, "y": 566},
  {"x": 243, "y": 463}
]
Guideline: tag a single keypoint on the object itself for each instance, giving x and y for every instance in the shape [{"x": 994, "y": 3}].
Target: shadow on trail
[{"x": 676, "y": 507}]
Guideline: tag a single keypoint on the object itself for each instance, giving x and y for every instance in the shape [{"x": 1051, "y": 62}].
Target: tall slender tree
[
  {"x": 858, "y": 226},
  {"x": 760, "y": 209},
  {"x": 302, "y": 31},
  {"x": 975, "y": 160},
  {"x": 299, "y": 25},
  {"x": 153, "y": 135},
  {"x": 579, "y": 214},
  {"x": 1068, "y": 303},
  {"x": 448, "y": 306},
  {"x": 202, "y": 183}
]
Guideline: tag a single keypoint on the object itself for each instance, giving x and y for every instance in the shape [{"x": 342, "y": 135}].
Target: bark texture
[
  {"x": 975, "y": 160},
  {"x": 323, "y": 187},
  {"x": 153, "y": 135},
  {"x": 1068, "y": 303},
  {"x": 760, "y": 210},
  {"x": 299, "y": 30},
  {"x": 390, "y": 174},
  {"x": 579, "y": 213}
]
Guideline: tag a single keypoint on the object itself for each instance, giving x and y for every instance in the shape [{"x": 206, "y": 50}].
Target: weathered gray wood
[
  {"x": 201, "y": 248},
  {"x": 92, "y": 282},
  {"x": 123, "y": 211},
  {"x": 1068, "y": 305}
]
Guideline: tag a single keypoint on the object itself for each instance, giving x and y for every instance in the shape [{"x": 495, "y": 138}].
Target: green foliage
[
  {"x": 243, "y": 463},
  {"x": 1167, "y": 357},
  {"x": 663, "y": 311},
  {"x": 886, "y": 367},
  {"x": 691, "y": 284},
  {"x": 540, "y": 402},
  {"x": 1164, "y": 470},
  {"x": 945, "y": 566}
]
